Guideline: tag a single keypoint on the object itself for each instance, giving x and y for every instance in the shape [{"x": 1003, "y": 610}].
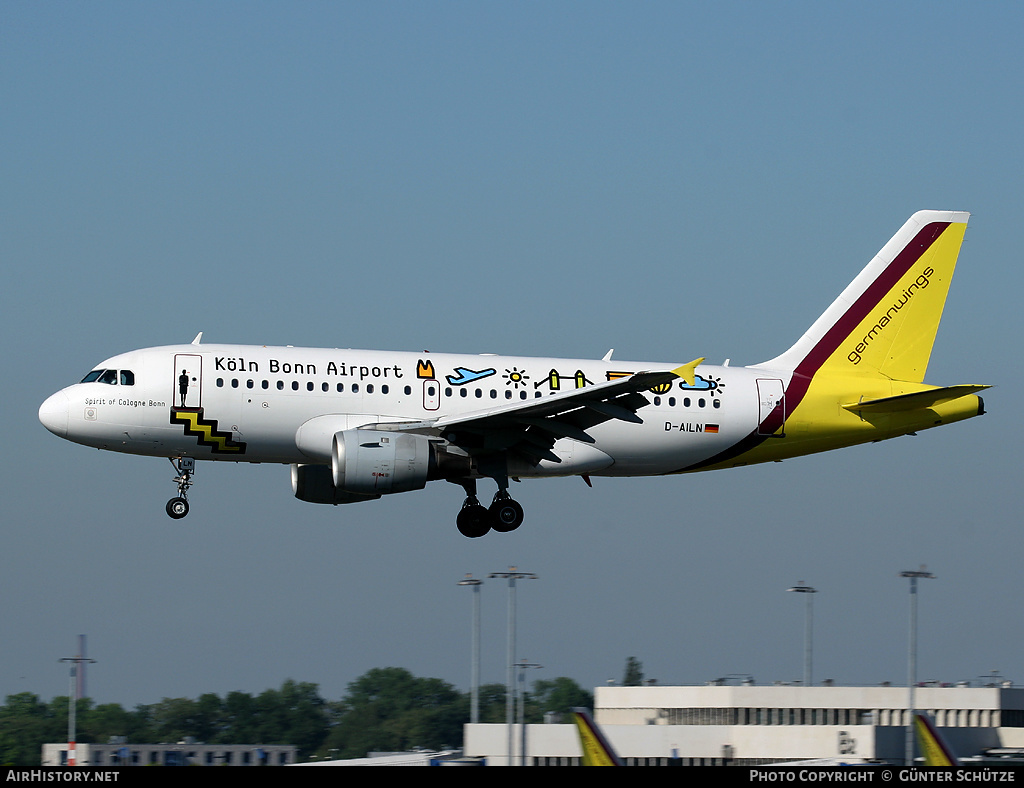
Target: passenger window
[
  {"x": 249, "y": 384},
  {"x": 295, "y": 385},
  {"x": 220, "y": 383},
  {"x": 384, "y": 389},
  {"x": 127, "y": 377},
  {"x": 266, "y": 384},
  {"x": 234, "y": 383},
  {"x": 508, "y": 393},
  {"x": 369, "y": 388},
  {"x": 309, "y": 386},
  {"x": 494, "y": 394},
  {"x": 326, "y": 386},
  {"x": 280, "y": 385},
  {"x": 408, "y": 390}
]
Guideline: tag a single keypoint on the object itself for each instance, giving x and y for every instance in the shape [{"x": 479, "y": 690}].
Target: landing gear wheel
[
  {"x": 177, "y": 508},
  {"x": 185, "y": 466},
  {"x": 474, "y": 520},
  {"x": 506, "y": 514}
]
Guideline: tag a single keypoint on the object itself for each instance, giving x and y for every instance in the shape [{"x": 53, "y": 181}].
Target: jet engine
[
  {"x": 315, "y": 484},
  {"x": 371, "y": 462}
]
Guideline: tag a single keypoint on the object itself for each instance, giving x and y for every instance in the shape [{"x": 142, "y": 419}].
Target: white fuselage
[{"x": 272, "y": 403}]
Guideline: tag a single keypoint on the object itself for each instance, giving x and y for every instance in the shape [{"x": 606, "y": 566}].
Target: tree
[
  {"x": 172, "y": 719},
  {"x": 634, "y": 676},
  {"x": 99, "y": 723},
  {"x": 26, "y": 723},
  {"x": 561, "y": 696},
  {"x": 492, "y": 703},
  {"x": 389, "y": 709}
]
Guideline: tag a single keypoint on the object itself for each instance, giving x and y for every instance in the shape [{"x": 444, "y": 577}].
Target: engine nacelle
[
  {"x": 372, "y": 462},
  {"x": 315, "y": 484}
]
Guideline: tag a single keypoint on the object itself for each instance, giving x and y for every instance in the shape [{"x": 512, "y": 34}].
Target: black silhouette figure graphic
[{"x": 183, "y": 385}]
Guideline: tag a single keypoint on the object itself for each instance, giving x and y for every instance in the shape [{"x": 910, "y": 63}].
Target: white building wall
[{"x": 636, "y": 721}]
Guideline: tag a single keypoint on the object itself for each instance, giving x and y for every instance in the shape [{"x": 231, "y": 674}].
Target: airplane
[
  {"x": 934, "y": 749},
  {"x": 597, "y": 751},
  {"x": 355, "y": 425}
]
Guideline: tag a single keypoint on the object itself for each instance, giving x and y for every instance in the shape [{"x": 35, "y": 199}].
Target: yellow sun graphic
[{"x": 516, "y": 377}]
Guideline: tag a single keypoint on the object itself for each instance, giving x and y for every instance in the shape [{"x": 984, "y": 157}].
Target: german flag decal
[{"x": 206, "y": 431}]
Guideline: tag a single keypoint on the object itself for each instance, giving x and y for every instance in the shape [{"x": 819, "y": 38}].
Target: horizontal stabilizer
[{"x": 915, "y": 401}]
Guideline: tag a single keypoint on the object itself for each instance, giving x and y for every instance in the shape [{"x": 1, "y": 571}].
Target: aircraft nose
[{"x": 53, "y": 414}]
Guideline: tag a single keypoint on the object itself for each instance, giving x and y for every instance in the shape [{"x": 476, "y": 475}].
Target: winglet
[
  {"x": 934, "y": 748},
  {"x": 198, "y": 339},
  {"x": 688, "y": 371}
]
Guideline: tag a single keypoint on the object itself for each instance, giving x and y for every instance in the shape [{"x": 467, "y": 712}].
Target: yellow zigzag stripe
[{"x": 206, "y": 431}]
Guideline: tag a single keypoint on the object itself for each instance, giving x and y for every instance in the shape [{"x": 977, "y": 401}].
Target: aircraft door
[
  {"x": 431, "y": 395},
  {"x": 188, "y": 381},
  {"x": 771, "y": 397}
]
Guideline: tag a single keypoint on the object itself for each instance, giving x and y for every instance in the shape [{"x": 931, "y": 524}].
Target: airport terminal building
[
  {"x": 749, "y": 725},
  {"x": 179, "y": 754}
]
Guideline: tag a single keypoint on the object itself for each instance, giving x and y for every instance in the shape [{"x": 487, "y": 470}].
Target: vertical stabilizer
[
  {"x": 884, "y": 323},
  {"x": 934, "y": 749},
  {"x": 596, "y": 749}
]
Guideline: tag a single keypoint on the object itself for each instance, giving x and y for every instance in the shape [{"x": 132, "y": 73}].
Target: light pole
[
  {"x": 73, "y": 702},
  {"x": 474, "y": 675},
  {"x": 510, "y": 688},
  {"x": 912, "y": 659},
  {"x": 523, "y": 665},
  {"x": 800, "y": 588}
]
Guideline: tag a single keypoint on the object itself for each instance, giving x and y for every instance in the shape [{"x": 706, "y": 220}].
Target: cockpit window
[{"x": 111, "y": 376}]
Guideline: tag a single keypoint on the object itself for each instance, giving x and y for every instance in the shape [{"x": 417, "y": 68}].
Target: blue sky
[{"x": 669, "y": 179}]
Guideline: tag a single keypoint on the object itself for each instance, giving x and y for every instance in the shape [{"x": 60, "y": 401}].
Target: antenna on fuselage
[{"x": 198, "y": 338}]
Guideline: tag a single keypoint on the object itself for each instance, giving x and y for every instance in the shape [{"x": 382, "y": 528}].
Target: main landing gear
[
  {"x": 503, "y": 515},
  {"x": 185, "y": 466}
]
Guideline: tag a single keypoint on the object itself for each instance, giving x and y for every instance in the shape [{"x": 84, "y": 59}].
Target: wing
[{"x": 531, "y": 427}]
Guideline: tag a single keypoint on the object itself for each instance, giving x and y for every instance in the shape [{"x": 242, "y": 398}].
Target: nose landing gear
[{"x": 185, "y": 466}]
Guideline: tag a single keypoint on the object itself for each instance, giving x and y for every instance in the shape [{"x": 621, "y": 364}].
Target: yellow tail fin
[
  {"x": 884, "y": 322},
  {"x": 933, "y": 747},
  {"x": 596, "y": 749}
]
